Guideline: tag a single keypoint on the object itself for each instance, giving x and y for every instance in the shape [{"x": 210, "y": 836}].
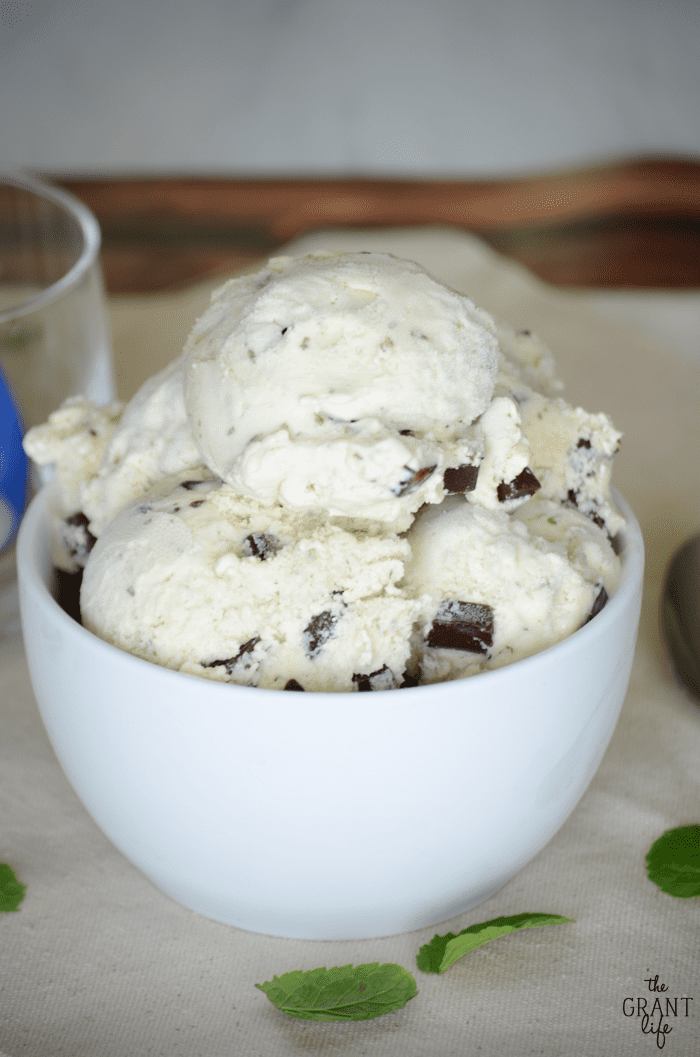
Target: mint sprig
[
  {"x": 444, "y": 951},
  {"x": 673, "y": 862},
  {"x": 347, "y": 992},
  {"x": 11, "y": 890}
]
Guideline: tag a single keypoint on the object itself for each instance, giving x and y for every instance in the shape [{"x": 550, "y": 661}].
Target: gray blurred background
[{"x": 369, "y": 87}]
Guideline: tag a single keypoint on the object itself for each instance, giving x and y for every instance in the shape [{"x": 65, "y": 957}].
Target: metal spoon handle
[{"x": 680, "y": 613}]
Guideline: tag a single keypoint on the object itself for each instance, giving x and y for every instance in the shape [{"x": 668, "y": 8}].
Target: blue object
[{"x": 13, "y": 466}]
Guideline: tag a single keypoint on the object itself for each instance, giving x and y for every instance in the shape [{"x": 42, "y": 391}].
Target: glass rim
[{"x": 90, "y": 230}]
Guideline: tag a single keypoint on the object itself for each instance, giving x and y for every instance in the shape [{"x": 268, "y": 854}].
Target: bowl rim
[{"x": 30, "y": 575}]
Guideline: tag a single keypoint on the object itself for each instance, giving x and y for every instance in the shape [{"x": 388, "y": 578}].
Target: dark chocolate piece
[
  {"x": 460, "y": 478},
  {"x": 230, "y": 662},
  {"x": 197, "y": 502},
  {"x": 261, "y": 545},
  {"x": 406, "y": 433},
  {"x": 77, "y": 537},
  {"x": 67, "y": 592},
  {"x": 189, "y": 485},
  {"x": 382, "y": 679},
  {"x": 417, "y": 477},
  {"x": 79, "y": 518},
  {"x": 409, "y": 680},
  {"x": 523, "y": 485},
  {"x": 464, "y": 626},
  {"x": 292, "y": 684},
  {"x": 583, "y": 443},
  {"x": 600, "y": 602},
  {"x": 601, "y": 599},
  {"x": 318, "y": 631}
]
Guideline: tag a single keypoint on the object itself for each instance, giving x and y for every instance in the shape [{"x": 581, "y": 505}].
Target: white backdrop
[{"x": 422, "y": 87}]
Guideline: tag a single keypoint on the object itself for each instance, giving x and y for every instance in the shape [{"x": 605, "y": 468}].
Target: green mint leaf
[
  {"x": 347, "y": 992},
  {"x": 11, "y": 891},
  {"x": 444, "y": 951},
  {"x": 673, "y": 862}
]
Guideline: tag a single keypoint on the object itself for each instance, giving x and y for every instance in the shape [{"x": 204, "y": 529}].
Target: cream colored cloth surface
[{"x": 98, "y": 963}]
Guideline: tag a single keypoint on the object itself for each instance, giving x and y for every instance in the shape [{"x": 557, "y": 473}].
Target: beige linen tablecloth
[{"x": 98, "y": 963}]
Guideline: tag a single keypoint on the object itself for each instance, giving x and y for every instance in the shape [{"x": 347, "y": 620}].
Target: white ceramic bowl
[{"x": 326, "y": 816}]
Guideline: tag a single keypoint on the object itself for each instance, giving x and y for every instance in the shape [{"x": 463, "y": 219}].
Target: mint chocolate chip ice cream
[
  {"x": 352, "y": 479},
  {"x": 198, "y": 577},
  {"x": 342, "y": 383}
]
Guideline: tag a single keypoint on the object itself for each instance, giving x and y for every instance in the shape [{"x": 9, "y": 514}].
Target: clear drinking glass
[{"x": 54, "y": 333}]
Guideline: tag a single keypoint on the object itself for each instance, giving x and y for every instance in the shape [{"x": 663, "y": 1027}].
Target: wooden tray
[{"x": 633, "y": 223}]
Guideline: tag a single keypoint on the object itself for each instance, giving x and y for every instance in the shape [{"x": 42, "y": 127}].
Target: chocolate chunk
[
  {"x": 583, "y": 443},
  {"x": 230, "y": 662},
  {"x": 292, "y": 684},
  {"x": 189, "y": 485},
  {"x": 600, "y": 602},
  {"x": 77, "y": 537},
  {"x": 460, "y": 478},
  {"x": 382, "y": 679},
  {"x": 197, "y": 502},
  {"x": 261, "y": 545},
  {"x": 362, "y": 682},
  {"x": 67, "y": 592},
  {"x": 406, "y": 433},
  {"x": 417, "y": 477},
  {"x": 464, "y": 626},
  {"x": 601, "y": 599},
  {"x": 409, "y": 680},
  {"x": 523, "y": 485},
  {"x": 318, "y": 631},
  {"x": 78, "y": 519}
]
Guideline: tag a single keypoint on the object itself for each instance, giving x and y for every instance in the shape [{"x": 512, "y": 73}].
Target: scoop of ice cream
[
  {"x": 587, "y": 546},
  {"x": 570, "y": 451},
  {"x": 196, "y": 577},
  {"x": 345, "y": 383},
  {"x": 525, "y": 359},
  {"x": 73, "y": 440},
  {"x": 152, "y": 442},
  {"x": 494, "y": 588},
  {"x": 105, "y": 457}
]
